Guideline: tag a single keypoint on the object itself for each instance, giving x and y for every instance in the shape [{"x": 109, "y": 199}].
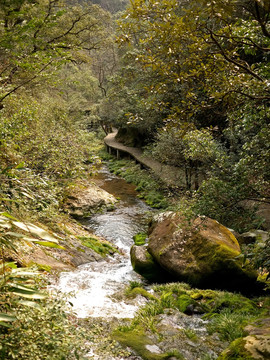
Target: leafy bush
[
  {"x": 33, "y": 324},
  {"x": 45, "y": 138},
  {"x": 46, "y": 332}
]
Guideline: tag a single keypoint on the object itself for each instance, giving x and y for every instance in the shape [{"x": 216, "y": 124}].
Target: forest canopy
[{"x": 195, "y": 80}]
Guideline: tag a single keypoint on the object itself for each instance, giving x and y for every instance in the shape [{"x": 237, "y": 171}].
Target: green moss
[
  {"x": 137, "y": 340},
  {"x": 175, "y": 287},
  {"x": 235, "y": 302},
  {"x": 101, "y": 247},
  {"x": 139, "y": 239},
  {"x": 190, "y": 334},
  {"x": 206, "y": 295},
  {"x": 236, "y": 351},
  {"x": 140, "y": 291}
]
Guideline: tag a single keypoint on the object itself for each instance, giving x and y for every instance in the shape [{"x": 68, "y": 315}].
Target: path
[{"x": 170, "y": 175}]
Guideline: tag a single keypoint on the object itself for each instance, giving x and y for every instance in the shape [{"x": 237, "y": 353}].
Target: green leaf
[
  {"x": 5, "y": 324},
  {"x": 7, "y": 199},
  {"x": 24, "y": 272},
  {"x": 8, "y": 216},
  {"x": 11, "y": 233},
  {"x": 11, "y": 265},
  {"x": 4, "y": 223},
  {"x": 28, "y": 294},
  {"x": 22, "y": 287},
  {"x": 6, "y": 317},
  {"x": 35, "y": 230},
  {"x": 20, "y": 166},
  {"x": 29, "y": 303},
  {"x": 27, "y": 195}
]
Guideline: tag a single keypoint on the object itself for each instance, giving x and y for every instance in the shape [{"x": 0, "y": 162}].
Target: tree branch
[
  {"x": 229, "y": 59},
  {"x": 260, "y": 20},
  {"x": 25, "y": 82}
]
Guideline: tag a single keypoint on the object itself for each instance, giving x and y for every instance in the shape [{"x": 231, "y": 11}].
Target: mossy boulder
[
  {"x": 203, "y": 253},
  {"x": 144, "y": 264},
  {"x": 255, "y": 346}
]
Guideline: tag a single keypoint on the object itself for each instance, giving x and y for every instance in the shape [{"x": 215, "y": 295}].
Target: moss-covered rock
[
  {"x": 144, "y": 264},
  {"x": 203, "y": 253},
  {"x": 255, "y": 346},
  {"x": 141, "y": 343}
]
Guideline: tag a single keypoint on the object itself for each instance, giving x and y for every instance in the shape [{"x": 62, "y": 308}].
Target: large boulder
[
  {"x": 203, "y": 253},
  {"x": 85, "y": 200}
]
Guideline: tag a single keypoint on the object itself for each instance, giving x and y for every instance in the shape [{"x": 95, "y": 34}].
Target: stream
[
  {"x": 93, "y": 284},
  {"x": 95, "y": 287}
]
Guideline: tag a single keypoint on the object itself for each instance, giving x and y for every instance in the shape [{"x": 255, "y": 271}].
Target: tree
[
  {"x": 203, "y": 68},
  {"x": 39, "y": 36}
]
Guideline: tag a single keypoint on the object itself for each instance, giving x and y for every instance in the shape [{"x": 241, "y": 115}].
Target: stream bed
[{"x": 93, "y": 284}]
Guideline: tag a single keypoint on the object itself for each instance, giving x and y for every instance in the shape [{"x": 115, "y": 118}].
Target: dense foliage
[
  {"x": 195, "y": 81},
  {"x": 47, "y": 91},
  {"x": 192, "y": 78}
]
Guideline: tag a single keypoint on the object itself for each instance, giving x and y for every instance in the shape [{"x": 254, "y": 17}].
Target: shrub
[{"x": 44, "y": 333}]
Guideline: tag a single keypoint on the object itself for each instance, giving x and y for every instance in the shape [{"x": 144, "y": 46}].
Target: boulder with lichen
[{"x": 202, "y": 252}]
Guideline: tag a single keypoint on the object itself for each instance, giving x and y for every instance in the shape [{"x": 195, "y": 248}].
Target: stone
[
  {"x": 144, "y": 264},
  {"x": 252, "y": 236},
  {"x": 203, "y": 254},
  {"x": 255, "y": 346},
  {"x": 154, "y": 349},
  {"x": 86, "y": 200}
]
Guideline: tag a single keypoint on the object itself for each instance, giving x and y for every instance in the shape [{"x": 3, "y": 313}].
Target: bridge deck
[{"x": 171, "y": 175}]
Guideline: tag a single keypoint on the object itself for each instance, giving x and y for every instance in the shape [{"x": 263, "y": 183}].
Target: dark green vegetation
[
  {"x": 48, "y": 97},
  {"x": 44, "y": 331},
  {"x": 226, "y": 313},
  {"x": 192, "y": 81},
  {"x": 194, "y": 85}
]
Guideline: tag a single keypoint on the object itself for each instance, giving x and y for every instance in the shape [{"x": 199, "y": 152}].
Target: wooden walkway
[{"x": 170, "y": 175}]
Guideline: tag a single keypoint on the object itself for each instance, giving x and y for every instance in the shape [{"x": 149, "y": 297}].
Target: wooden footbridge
[{"x": 170, "y": 175}]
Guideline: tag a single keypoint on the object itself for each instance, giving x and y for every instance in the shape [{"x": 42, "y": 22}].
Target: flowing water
[{"x": 94, "y": 284}]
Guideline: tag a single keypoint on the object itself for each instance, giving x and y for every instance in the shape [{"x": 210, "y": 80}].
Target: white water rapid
[{"x": 93, "y": 284}]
